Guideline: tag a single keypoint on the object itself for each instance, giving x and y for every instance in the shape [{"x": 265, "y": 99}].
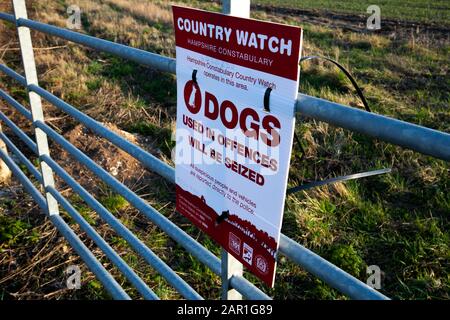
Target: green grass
[
  {"x": 410, "y": 10},
  {"x": 397, "y": 221},
  {"x": 11, "y": 230},
  {"x": 114, "y": 202}
]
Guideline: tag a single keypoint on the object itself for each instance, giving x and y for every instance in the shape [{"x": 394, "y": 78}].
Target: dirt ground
[
  {"x": 393, "y": 28},
  {"x": 120, "y": 164}
]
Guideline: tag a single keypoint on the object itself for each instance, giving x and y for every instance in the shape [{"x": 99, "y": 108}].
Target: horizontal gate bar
[
  {"x": 328, "y": 272},
  {"x": 88, "y": 257},
  {"x": 28, "y": 185},
  {"x": 421, "y": 139},
  {"x": 134, "y": 279},
  {"x": 18, "y": 132},
  {"x": 93, "y": 264},
  {"x": 16, "y": 105},
  {"x": 7, "y": 17},
  {"x": 149, "y": 256},
  {"x": 10, "y": 72},
  {"x": 140, "y": 56},
  {"x": 240, "y": 284},
  {"x": 24, "y": 160}
]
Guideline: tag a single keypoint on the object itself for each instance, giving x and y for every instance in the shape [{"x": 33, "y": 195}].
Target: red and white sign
[{"x": 233, "y": 148}]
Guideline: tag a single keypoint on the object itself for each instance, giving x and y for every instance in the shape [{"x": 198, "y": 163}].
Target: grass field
[{"x": 398, "y": 221}]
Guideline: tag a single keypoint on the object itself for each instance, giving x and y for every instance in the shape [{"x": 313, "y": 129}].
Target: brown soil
[
  {"x": 117, "y": 162},
  {"x": 394, "y": 28}
]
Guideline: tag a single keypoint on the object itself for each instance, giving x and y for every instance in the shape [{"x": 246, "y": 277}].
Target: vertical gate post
[
  {"x": 238, "y": 8},
  {"x": 5, "y": 173},
  {"x": 29, "y": 65},
  {"x": 231, "y": 266}
]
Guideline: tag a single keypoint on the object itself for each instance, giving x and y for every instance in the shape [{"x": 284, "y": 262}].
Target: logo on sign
[
  {"x": 192, "y": 96},
  {"x": 262, "y": 264},
  {"x": 234, "y": 243},
  {"x": 247, "y": 254},
  {"x": 265, "y": 129}
]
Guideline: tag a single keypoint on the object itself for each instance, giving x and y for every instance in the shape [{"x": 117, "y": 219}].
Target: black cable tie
[
  {"x": 222, "y": 217},
  {"x": 359, "y": 90},
  {"x": 267, "y": 99},
  {"x": 194, "y": 75}
]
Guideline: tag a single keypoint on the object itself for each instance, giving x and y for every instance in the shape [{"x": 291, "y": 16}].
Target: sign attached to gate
[{"x": 237, "y": 82}]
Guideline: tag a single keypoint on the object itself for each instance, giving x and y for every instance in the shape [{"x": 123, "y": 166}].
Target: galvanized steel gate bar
[{"x": 415, "y": 137}]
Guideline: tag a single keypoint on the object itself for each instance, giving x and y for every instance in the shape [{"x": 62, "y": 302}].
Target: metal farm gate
[{"x": 234, "y": 285}]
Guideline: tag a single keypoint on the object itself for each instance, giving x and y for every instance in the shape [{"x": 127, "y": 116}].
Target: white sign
[{"x": 237, "y": 82}]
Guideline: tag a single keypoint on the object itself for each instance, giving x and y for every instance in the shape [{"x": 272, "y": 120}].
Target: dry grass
[{"x": 144, "y": 10}]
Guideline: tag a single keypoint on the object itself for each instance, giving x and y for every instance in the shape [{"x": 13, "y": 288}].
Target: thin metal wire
[{"x": 314, "y": 184}]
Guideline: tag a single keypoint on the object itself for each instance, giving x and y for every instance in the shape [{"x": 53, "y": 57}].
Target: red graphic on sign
[
  {"x": 247, "y": 254},
  {"x": 192, "y": 96},
  {"x": 258, "y": 242},
  {"x": 262, "y": 264},
  {"x": 234, "y": 243},
  {"x": 264, "y": 129}
]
